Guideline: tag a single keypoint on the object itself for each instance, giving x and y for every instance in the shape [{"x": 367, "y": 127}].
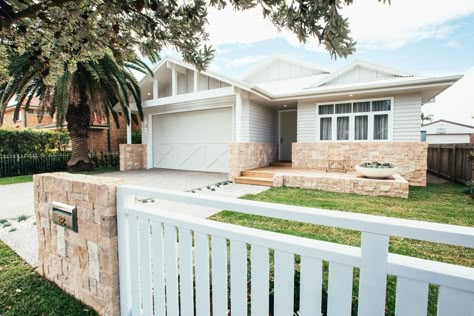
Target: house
[
  {"x": 103, "y": 137},
  {"x": 286, "y": 110},
  {"x": 448, "y": 132}
]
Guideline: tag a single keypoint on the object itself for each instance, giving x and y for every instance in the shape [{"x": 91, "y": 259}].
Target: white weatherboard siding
[
  {"x": 193, "y": 140},
  {"x": 360, "y": 74},
  {"x": 258, "y": 123},
  {"x": 406, "y": 118},
  {"x": 306, "y": 118}
]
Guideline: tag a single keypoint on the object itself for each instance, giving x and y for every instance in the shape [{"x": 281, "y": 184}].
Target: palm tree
[{"x": 92, "y": 90}]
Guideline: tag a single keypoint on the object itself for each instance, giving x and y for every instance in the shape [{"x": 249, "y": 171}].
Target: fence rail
[
  {"x": 451, "y": 161},
  {"x": 172, "y": 264},
  {"x": 16, "y": 165}
]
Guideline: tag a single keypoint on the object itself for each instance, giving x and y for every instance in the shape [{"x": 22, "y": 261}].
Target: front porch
[{"x": 283, "y": 174}]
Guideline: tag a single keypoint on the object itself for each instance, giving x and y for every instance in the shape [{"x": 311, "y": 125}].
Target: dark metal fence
[
  {"x": 16, "y": 165},
  {"x": 451, "y": 161}
]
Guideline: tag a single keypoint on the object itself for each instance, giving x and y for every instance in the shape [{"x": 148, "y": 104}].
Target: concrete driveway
[
  {"x": 16, "y": 200},
  {"x": 179, "y": 180}
]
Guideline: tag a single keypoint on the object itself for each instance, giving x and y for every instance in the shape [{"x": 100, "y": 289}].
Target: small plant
[
  {"x": 12, "y": 230},
  {"x": 470, "y": 189},
  {"x": 376, "y": 164},
  {"x": 22, "y": 218},
  {"x": 3, "y": 221},
  {"x": 6, "y": 225}
]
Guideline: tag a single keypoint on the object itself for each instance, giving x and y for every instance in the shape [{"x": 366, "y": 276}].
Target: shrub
[
  {"x": 136, "y": 138},
  {"x": 30, "y": 141}
]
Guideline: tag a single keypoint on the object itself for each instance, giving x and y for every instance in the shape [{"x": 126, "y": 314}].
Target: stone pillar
[
  {"x": 83, "y": 263},
  {"x": 133, "y": 156}
]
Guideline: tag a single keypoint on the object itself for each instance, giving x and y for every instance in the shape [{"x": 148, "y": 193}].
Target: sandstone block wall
[
  {"x": 409, "y": 157},
  {"x": 84, "y": 264},
  {"x": 398, "y": 187},
  {"x": 133, "y": 156},
  {"x": 244, "y": 156}
]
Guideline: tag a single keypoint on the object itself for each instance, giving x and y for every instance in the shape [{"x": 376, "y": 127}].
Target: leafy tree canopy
[{"x": 67, "y": 32}]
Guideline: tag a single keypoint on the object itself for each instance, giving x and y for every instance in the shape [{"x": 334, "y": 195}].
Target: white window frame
[{"x": 352, "y": 116}]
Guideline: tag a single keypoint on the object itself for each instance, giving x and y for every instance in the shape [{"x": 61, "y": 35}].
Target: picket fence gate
[{"x": 172, "y": 264}]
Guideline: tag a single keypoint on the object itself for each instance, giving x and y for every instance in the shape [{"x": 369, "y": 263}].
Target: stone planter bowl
[{"x": 376, "y": 173}]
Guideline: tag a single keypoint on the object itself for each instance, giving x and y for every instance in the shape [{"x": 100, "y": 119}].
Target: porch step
[
  {"x": 257, "y": 174},
  {"x": 254, "y": 180},
  {"x": 281, "y": 164}
]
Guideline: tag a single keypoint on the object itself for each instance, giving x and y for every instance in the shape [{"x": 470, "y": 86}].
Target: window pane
[
  {"x": 361, "y": 107},
  {"x": 361, "y": 127},
  {"x": 381, "y": 126},
  {"x": 343, "y": 128},
  {"x": 343, "y": 108},
  {"x": 326, "y": 109},
  {"x": 325, "y": 128},
  {"x": 382, "y": 105}
]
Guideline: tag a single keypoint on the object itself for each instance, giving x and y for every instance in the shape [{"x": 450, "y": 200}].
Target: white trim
[
  {"x": 189, "y": 97},
  {"x": 155, "y": 89},
  {"x": 150, "y": 156},
  {"x": 238, "y": 117},
  {"x": 279, "y": 129},
  {"x": 352, "y": 115},
  {"x": 129, "y": 128},
  {"x": 195, "y": 81},
  {"x": 174, "y": 82}
]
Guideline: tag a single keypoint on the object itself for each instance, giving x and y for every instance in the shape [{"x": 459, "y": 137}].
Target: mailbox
[{"x": 65, "y": 215}]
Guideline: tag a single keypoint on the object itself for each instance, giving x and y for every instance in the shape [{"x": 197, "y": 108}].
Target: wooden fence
[
  {"x": 451, "y": 161},
  {"x": 16, "y": 165}
]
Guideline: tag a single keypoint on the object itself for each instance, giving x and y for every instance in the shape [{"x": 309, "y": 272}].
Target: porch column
[
  {"x": 129, "y": 127},
  {"x": 196, "y": 78},
  {"x": 155, "y": 89},
  {"x": 174, "y": 82},
  {"x": 238, "y": 116}
]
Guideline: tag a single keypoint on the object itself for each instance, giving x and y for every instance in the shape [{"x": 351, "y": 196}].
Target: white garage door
[{"x": 195, "y": 140}]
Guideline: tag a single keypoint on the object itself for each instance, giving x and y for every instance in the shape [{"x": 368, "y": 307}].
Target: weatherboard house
[{"x": 285, "y": 110}]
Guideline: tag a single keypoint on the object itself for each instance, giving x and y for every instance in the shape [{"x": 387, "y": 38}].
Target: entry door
[{"x": 287, "y": 133}]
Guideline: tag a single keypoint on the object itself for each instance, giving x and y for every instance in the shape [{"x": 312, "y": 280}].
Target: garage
[{"x": 193, "y": 140}]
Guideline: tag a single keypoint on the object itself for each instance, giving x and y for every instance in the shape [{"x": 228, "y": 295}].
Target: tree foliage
[{"x": 68, "y": 32}]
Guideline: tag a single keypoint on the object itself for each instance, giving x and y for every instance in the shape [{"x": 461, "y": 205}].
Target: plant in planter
[{"x": 375, "y": 169}]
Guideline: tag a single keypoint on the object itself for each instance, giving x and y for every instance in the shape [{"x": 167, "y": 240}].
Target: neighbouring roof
[{"x": 449, "y": 122}]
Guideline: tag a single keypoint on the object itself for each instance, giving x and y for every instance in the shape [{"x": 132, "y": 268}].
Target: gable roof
[
  {"x": 209, "y": 73},
  {"x": 363, "y": 64},
  {"x": 449, "y": 122},
  {"x": 267, "y": 62}
]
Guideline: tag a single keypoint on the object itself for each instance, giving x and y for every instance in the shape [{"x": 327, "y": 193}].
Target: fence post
[
  {"x": 373, "y": 274},
  {"x": 453, "y": 170},
  {"x": 438, "y": 162}
]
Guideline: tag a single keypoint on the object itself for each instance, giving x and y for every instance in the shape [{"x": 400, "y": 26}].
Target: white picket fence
[{"x": 172, "y": 264}]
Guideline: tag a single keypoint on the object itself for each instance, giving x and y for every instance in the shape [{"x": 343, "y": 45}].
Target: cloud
[
  {"x": 245, "y": 60},
  {"x": 374, "y": 25},
  {"x": 454, "y": 44},
  {"x": 455, "y": 103}
]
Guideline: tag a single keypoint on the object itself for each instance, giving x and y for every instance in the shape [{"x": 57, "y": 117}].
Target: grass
[
  {"x": 442, "y": 203},
  {"x": 29, "y": 178},
  {"x": 24, "y": 292}
]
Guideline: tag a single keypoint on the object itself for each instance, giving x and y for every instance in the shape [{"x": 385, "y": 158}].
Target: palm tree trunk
[{"x": 78, "y": 121}]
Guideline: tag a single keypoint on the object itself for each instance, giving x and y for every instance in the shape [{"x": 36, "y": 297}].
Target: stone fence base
[
  {"x": 245, "y": 156},
  {"x": 82, "y": 263},
  {"x": 133, "y": 156}
]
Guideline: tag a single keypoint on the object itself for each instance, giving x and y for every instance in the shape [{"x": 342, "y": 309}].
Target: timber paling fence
[
  {"x": 16, "y": 165},
  {"x": 450, "y": 161}
]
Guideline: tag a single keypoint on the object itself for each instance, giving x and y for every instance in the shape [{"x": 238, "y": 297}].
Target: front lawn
[
  {"x": 443, "y": 203},
  {"x": 24, "y": 292}
]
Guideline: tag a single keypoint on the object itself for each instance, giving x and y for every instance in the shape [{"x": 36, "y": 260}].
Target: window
[
  {"x": 359, "y": 120},
  {"x": 325, "y": 128}
]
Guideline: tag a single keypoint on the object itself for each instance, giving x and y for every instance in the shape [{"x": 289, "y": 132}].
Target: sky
[{"x": 421, "y": 37}]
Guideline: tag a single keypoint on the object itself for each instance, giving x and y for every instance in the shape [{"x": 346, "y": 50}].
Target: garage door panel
[{"x": 196, "y": 140}]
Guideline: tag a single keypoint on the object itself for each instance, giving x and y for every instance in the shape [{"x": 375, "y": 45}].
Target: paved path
[{"x": 16, "y": 200}]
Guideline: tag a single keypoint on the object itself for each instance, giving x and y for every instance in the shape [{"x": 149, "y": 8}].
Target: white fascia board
[
  {"x": 188, "y": 97},
  {"x": 389, "y": 87}
]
